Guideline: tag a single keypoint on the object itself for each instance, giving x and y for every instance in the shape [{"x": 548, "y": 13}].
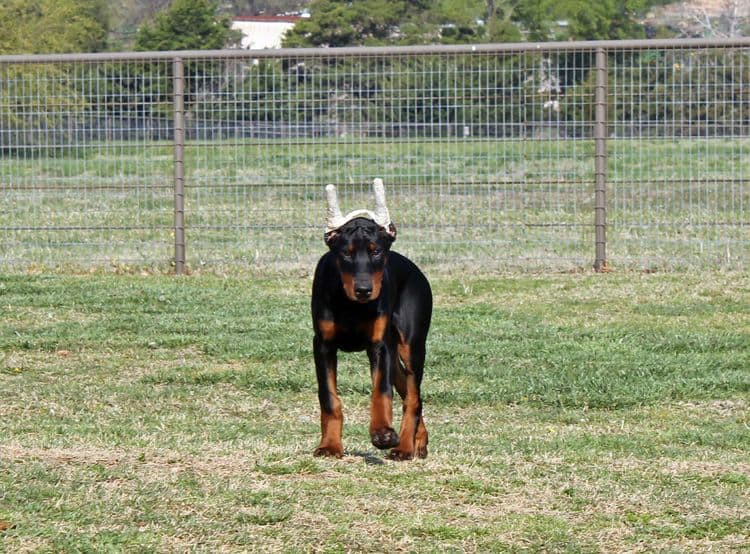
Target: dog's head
[{"x": 360, "y": 242}]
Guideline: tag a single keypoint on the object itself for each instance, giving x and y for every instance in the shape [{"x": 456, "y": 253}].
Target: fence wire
[{"x": 488, "y": 156}]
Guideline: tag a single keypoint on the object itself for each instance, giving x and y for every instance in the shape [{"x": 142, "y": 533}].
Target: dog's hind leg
[{"x": 408, "y": 380}]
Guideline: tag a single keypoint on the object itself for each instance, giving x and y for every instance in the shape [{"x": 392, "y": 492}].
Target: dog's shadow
[{"x": 368, "y": 457}]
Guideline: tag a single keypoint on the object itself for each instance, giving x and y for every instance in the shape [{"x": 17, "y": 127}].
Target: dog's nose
[{"x": 363, "y": 291}]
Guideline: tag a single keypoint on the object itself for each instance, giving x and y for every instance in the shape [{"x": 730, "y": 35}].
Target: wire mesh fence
[{"x": 495, "y": 157}]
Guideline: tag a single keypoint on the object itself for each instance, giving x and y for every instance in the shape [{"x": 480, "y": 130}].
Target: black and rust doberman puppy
[{"x": 367, "y": 297}]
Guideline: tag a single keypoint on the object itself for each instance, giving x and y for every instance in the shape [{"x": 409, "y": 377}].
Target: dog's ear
[
  {"x": 389, "y": 233},
  {"x": 331, "y": 238}
]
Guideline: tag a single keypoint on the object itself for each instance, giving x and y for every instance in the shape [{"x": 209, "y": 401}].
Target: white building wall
[{"x": 259, "y": 34}]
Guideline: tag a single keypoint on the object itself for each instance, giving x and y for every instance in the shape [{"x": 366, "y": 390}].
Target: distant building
[{"x": 263, "y": 31}]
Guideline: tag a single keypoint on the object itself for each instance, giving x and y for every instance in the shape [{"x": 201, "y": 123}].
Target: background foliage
[
  {"x": 53, "y": 26},
  {"x": 186, "y": 25},
  {"x": 50, "y": 26},
  {"x": 45, "y": 26}
]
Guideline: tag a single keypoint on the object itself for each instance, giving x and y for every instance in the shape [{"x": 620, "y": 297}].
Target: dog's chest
[{"x": 357, "y": 333}]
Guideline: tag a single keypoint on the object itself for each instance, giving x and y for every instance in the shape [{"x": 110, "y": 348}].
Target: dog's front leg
[
  {"x": 382, "y": 433},
  {"x": 331, "y": 414}
]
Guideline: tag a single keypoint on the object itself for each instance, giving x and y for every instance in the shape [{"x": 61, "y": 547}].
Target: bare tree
[{"x": 728, "y": 21}]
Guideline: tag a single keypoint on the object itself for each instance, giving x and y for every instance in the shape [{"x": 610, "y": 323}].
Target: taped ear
[
  {"x": 332, "y": 237},
  {"x": 390, "y": 231}
]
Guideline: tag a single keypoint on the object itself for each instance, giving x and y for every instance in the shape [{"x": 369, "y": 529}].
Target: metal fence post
[
  {"x": 600, "y": 162},
  {"x": 179, "y": 166}
]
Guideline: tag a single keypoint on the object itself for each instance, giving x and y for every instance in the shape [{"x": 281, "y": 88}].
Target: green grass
[
  {"x": 494, "y": 204},
  {"x": 567, "y": 413}
]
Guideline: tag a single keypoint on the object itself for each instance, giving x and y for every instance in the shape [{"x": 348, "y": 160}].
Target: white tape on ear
[
  {"x": 383, "y": 218},
  {"x": 333, "y": 214},
  {"x": 335, "y": 220}
]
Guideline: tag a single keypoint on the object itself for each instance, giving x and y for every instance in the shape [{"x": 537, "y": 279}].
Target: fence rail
[{"x": 553, "y": 156}]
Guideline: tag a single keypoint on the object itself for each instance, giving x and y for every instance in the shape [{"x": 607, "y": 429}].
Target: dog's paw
[
  {"x": 384, "y": 438},
  {"x": 399, "y": 455},
  {"x": 329, "y": 452}
]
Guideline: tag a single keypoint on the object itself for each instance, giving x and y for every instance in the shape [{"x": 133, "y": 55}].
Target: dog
[{"x": 367, "y": 297}]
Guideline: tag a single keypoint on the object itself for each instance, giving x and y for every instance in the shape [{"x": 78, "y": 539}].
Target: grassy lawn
[
  {"x": 495, "y": 204},
  {"x": 567, "y": 413}
]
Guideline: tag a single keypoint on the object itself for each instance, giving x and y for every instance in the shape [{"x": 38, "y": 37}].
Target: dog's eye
[{"x": 374, "y": 250}]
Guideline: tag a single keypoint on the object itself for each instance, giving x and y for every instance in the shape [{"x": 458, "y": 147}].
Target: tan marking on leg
[
  {"x": 409, "y": 421},
  {"x": 413, "y": 434},
  {"x": 421, "y": 440},
  {"x": 378, "y": 328},
  {"x": 327, "y": 329},
  {"x": 381, "y": 406},
  {"x": 331, "y": 424}
]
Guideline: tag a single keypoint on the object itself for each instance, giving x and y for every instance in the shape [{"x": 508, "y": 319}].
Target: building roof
[{"x": 268, "y": 18}]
